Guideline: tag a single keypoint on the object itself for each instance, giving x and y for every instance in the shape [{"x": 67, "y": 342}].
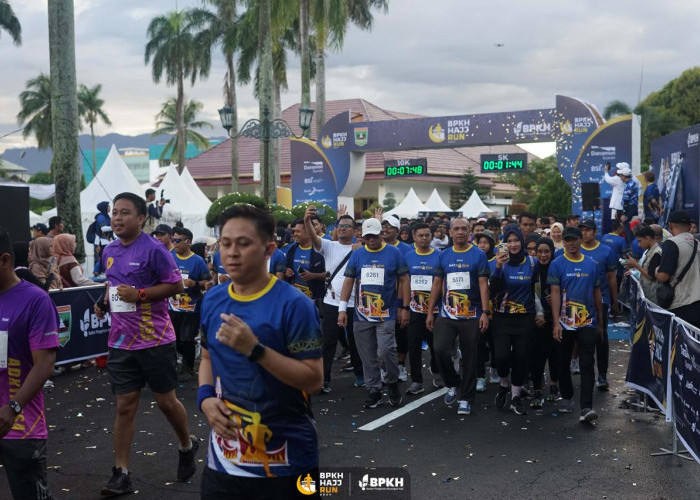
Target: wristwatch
[
  {"x": 257, "y": 352},
  {"x": 15, "y": 407},
  {"x": 142, "y": 294}
]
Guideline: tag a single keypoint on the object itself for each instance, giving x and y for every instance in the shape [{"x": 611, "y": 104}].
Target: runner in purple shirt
[
  {"x": 28, "y": 343},
  {"x": 141, "y": 275}
]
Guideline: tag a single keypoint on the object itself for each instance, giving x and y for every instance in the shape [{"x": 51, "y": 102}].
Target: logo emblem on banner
[
  {"x": 326, "y": 141},
  {"x": 306, "y": 486},
  {"x": 361, "y": 134},
  {"x": 64, "y": 318},
  {"x": 436, "y": 133}
]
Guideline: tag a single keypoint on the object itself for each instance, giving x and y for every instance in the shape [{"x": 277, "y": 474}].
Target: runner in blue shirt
[
  {"x": 261, "y": 360},
  {"x": 219, "y": 273},
  {"x": 576, "y": 304},
  {"x": 277, "y": 264},
  {"x": 486, "y": 241},
  {"x": 462, "y": 281}
]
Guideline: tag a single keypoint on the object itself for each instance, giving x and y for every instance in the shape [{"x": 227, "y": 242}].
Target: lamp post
[{"x": 264, "y": 130}]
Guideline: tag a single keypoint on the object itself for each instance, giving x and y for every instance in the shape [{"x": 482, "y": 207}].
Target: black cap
[
  {"x": 41, "y": 227},
  {"x": 572, "y": 216},
  {"x": 571, "y": 232},
  {"x": 588, "y": 223},
  {"x": 679, "y": 217},
  {"x": 162, "y": 229}
]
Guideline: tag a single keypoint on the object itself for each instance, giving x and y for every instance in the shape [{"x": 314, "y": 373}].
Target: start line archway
[{"x": 334, "y": 165}]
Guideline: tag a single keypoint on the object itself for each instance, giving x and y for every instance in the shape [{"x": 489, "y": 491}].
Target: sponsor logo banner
[
  {"x": 385, "y": 483},
  {"x": 685, "y": 385}
]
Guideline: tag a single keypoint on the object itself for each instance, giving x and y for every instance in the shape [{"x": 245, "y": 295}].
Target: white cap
[
  {"x": 392, "y": 221},
  {"x": 623, "y": 168},
  {"x": 371, "y": 226}
]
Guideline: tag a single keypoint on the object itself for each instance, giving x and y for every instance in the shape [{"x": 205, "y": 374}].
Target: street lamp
[{"x": 265, "y": 130}]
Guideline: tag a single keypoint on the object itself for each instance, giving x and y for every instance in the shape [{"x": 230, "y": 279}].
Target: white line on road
[{"x": 375, "y": 424}]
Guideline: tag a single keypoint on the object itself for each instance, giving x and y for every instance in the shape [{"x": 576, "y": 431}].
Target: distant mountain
[{"x": 35, "y": 160}]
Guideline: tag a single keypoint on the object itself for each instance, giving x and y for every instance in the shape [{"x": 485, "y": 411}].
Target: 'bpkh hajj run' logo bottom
[{"x": 356, "y": 482}]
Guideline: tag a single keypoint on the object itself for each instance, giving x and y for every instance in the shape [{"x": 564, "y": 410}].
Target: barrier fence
[{"x": 665, "y": 364}]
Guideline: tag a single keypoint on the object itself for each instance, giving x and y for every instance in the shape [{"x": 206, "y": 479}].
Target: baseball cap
[
  {"x": 679, "y": 217},
  {"x": 391, "y": 220},
  {"x": 162, "y": 229},
  {"x": 371, "y": 226},
  {"x": 623, "y": 168},
  {"x": 41, "y": 227},
  {"x": 572, "y": 217},
  {"x": 589, "y": 224},
  {"x": 571, "y": 232}
]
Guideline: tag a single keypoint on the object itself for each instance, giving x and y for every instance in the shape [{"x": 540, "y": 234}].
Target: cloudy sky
[{"x": 436, "y": 57}]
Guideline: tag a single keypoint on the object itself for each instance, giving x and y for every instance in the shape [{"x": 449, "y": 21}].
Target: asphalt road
[{"x": 489, "y": 454}]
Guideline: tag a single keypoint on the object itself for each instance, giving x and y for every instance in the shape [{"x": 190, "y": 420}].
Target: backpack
[{"x": 91, "y": 233}]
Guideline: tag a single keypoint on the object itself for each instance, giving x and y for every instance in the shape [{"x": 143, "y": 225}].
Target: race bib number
[
  {"x": 4, "y": 338},
  {"x": 459, "y": 281},
  {"x": 421, "y": 283},
  {"x": 372, "y": 276},
  {"x": 117, "y": 305}
]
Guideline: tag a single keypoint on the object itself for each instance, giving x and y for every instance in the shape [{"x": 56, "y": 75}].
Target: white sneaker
[
  {"x": 450, "y": 395},
  {"x": 493, "y": 377},
  {"x": 403, "y": 374},
  {"x": 480, "y": 385}
]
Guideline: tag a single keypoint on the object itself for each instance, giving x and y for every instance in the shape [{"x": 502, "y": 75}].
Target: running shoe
[
  {"x": 575, "y": 368},
  {"x": 480, "y": 384},
  {"x": 464, "y": 408},
  {"x": 450, "y": 395},
  {"x": 501, "y": 397},
  {"x": 493, "y": 376},
  {"x": 48, "y": 384},
  {"x": 394, "y": 394},
  {"x": 566, "y": 406},
  {"x": 424, "y": 345},
  {"x": 553, "y": 393},
  {"x": 186, "y": 465},
  {"x": 360, "y": 381},
  {"x": 374, "y": 399},
  {"x": 326, "y": 388},
  {"x": 415, "y": 388},
  {"x": 537, "y": 400},
  {"x": 517, "y": 406},
  {"x": 344, "y": 355},
  {"x": 437, "y": 381},
  {"x": 347, "y": 367},
  {"x": 588, "y": 415},
  {"x": 119, "y": 484},
  {"x": 602, "y": 383},
  {"x": 403, "y": 374}
]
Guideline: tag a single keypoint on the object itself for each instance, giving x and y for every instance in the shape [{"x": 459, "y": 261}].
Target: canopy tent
[
  {"x": 193, "y": 188},
  {"x": 409, "y": 206},
  {"x": 435, "y": 203},
  {"x": 186, "y": 205},
  {"x": 35, "y": 218},
  {"x": 36, "y": 191},
  {"x": 474, "y": 206}
]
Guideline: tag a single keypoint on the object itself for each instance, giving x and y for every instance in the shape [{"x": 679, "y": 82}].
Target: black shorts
[
  {"x": 25, "y": 464},
  {"x": 129, "y": 371},
  {"x": 220, "y": 486},
  {"x": 186, "y": 325}
]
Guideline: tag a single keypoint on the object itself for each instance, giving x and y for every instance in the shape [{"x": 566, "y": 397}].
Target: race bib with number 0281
[
  {"x": 117, "y": 305},
  {"x": 458, "y": 281},
  {"x": 4, "y": 340},
  {"x": 421, "y": 283},
  {"x": 372, "y": 276}
]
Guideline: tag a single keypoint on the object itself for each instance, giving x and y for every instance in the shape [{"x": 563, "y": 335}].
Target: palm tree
[
  {"x": 35, "y": 112},
  {"x": 179, "y": 47},
  {"x": 166, "y": 121},
  {"x": 9, "y": 22},
  {"x": 616, "y": 108},
  {"x": 90, "y": 109}
]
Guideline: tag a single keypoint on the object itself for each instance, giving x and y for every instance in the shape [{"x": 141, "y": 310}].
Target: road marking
[{"x": 375, "y": 424}]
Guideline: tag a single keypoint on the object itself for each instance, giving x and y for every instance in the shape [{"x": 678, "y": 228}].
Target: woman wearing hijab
[
  {"x": 555, "y": 233},
  {"x": 68, "y": 268},
  {"x": 43, "y": 265},
  {"x": 543, "y": 346},
  {"x": 512, "y": 289},
  {"x": 21, "y": 249}
]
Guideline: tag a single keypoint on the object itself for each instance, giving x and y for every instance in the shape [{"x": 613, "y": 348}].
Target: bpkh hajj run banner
[
  {"x": 685, "y": 385},
  {"x": 81, "y": 334}
]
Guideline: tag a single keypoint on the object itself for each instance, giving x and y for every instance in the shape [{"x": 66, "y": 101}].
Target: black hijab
[{"x": 514, "y": 259}]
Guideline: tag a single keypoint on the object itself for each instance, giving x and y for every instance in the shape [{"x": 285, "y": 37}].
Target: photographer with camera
[{"x": 155, "y": 209}]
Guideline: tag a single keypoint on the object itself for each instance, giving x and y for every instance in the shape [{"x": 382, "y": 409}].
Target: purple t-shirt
[
  {"x": 28, "y": 322},
  {"x": 142, "y": 264}
]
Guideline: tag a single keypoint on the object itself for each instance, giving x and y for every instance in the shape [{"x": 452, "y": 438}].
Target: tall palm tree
[
  {"x": 178, "y": 47},
  {"x": 35, "y": 110},
  {"x": 90, "y": 109},
  {"x": 10, "y": 23},
  {"x": 166, "y": 121}
]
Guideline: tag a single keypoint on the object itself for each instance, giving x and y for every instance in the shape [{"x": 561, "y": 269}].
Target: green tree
[
  {"x": 35, "y": 110},
  {"x": 166, "y": 121},
  {"x": 10, "y": 23},
  {"x": 41, "y": 178},
  {"x": 616, "y": 108},
  {"x": 468, "y": 184},
  {"x": 389, "y": 202},
  {"x": 178, "y": 48},
  {"x": 529, "y": 183},
  {"x": 553, "y": 197},
  {"x": 90, "y": 108}
]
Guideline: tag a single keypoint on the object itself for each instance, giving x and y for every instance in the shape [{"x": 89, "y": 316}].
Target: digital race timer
[
  {"x": 509, "y": 162},
  {"x": 404, "y": 168}
]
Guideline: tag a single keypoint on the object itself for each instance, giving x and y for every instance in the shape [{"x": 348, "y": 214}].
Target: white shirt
[
  {"x": 334, "y": 252},
  {"x": 618, "y": 188}
]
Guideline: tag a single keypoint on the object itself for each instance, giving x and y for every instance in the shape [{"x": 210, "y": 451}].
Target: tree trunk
[
  {"x": 94, "y": 150},
  {"x": 231, "y": 103},
  {"x": 64, "y": 117},
  {"x": 321, "y": 73},
  {"x": 276, "y": 154},
  {"x": 305, "y": 56},
  {"x": 180, "y": 117},
  {"x": 265, "y": 99}
]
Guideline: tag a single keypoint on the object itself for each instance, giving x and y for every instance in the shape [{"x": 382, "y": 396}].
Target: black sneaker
[
  {"x": 186, "y": 466},
  {"x": 119, "y": 484},
  {"x": 588, "y": 415},
  {"x": 394, "y": 394},
  {"x": 537, "y": 400},
  {"x": 374, "y": 399},
  {"x": 326, "y": 388},
  {"x": 517, "y": 406},
  {"x": 602, "y": 383},
  {"x": 502, "y": 397},
  {"x": 553, "y": 393}
]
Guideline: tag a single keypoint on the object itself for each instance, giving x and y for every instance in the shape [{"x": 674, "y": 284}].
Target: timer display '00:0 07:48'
[
  {"x": 404, "y": 170},
  {"x": 503, "y": 165}
]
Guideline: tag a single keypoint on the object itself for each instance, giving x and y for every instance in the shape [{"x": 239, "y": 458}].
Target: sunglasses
[{"x": 178, "y": 240}]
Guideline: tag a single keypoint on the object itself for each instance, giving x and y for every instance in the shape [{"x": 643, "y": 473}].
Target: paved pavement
[{"x": 489, "y": 454}]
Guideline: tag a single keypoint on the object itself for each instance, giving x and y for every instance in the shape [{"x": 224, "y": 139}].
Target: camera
[
  {"x": 320, "y": 211},
  {"x": 162, "y": 196}
]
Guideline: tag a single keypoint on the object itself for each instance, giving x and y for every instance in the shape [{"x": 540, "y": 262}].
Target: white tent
[
  {"x": 185, "y": 205},
  {"x": 193, "y": 188},
  {"x": 474, "y": 206},
  {"x": 409, "y": 206},
  {"x": 435, "y": 203},
  {"x": 35, "y": 218}
]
